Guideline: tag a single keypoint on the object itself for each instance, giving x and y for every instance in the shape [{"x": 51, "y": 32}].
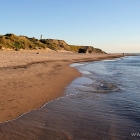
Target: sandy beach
[{"x": 30, "y": 79}]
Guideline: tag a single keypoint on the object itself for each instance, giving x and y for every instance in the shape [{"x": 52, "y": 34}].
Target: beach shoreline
[{"x": 29, "y": 79}]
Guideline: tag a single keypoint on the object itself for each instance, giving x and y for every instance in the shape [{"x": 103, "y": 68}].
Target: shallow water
[{"x": 104, "y": 104}]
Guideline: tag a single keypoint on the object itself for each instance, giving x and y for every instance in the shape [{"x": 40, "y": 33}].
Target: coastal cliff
[{"x": 14, "y": 42}]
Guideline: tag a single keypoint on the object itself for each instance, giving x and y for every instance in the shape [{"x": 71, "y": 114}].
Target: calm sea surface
[{"x": 103, "y": 104}]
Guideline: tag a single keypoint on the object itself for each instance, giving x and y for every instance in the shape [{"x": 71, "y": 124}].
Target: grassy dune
[{"x": 14, "y": 42}]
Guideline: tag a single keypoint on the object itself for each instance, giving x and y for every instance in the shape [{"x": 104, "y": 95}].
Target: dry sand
[{"x": 28, "y": 79}]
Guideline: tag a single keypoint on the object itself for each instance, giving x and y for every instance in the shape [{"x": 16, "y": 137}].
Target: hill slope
[{"x": 11, "y": 41}]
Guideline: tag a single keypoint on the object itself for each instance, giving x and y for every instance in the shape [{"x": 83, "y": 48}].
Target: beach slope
[{"x": 29, "y": 79}]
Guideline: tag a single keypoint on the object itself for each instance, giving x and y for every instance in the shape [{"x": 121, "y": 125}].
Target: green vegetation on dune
[
  {"x": 11, "y": 41},
  {"x": 55, "y": 44},
  {"x": 74, "y": 48}
]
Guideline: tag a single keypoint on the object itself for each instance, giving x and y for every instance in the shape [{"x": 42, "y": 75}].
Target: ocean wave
[{"x": 98, "y": 87}]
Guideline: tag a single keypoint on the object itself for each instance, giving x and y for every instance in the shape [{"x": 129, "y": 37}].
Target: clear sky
[{"x": 111, "y": 25}]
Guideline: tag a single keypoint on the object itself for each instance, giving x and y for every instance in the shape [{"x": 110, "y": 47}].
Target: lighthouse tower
[{"x": 41, "y": 37}]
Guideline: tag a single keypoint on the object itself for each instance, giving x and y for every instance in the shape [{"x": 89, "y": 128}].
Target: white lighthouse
[{"x": 41, "y": 37}]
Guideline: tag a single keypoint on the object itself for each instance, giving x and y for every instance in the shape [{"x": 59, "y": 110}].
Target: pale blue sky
[{"x": 111, "y": 25}]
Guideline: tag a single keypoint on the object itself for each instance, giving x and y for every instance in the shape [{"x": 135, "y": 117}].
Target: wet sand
[{"x": 28, "y": 79}]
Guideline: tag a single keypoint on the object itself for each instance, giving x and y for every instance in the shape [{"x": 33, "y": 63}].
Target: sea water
[{"x": 103, "y": 104}]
